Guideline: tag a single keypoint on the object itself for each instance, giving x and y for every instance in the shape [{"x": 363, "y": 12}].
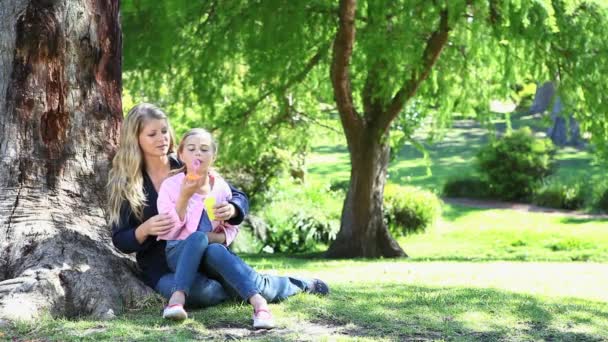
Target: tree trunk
[
  {"x": 60, "y": 110},
  {"x": 363, "y": 232}
]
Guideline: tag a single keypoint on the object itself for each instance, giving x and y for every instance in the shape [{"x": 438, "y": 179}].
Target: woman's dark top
[{"x": 150, "y": 254}]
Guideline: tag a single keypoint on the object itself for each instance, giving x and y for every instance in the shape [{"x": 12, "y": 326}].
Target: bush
[
  {"x": 472, "y": 187},
  {"x": 560, "y": 196},
  {"x": 409, "y": 209},
  {"x": 301, "y": 218},
  {"x": 602, "y": 202},
  {"x": 339, "y": 185},
  {"x": 516, "y": 164},
  {"x": 302, "y": 234}
]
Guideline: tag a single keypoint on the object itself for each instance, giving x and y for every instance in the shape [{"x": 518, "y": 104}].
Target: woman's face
[
  {"x": 154, "y": 138},
  {"x": 198, "y": 148}
]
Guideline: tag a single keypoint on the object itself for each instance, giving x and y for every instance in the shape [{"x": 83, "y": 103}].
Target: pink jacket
[{"x": 167, "y": 198}]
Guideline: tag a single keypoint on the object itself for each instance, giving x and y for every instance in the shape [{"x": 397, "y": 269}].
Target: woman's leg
[
  {"x": 204, "y": 291},
  {"x": 241, "y": 281}
]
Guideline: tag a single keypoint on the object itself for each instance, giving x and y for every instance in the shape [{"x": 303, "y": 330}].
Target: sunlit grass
[{"x": 385, "y": 300}]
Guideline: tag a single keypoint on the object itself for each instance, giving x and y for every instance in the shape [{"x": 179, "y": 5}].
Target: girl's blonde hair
[
  {"x": 191, "y": 132},
  {"x": 125, "y": 181}
]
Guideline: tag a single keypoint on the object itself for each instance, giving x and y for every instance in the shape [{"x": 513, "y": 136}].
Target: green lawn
[
  {"x": 452, "y": 156},
  {"x": 386, "y": 300},
  {"x": 472, "y": 234}
]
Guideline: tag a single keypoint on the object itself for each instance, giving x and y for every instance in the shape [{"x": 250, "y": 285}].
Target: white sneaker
[
  {"x": 175, "y": 312},
  {"x": 262, "y": 319}
]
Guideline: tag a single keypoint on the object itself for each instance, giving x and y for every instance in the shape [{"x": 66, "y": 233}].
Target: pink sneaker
[
  {"x": 262, "y": 319},
  {"x": 175, "y": 312}
]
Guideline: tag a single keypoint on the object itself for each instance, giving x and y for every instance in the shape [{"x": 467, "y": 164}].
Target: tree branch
[
  {"x": 299, "y": 77},
  {"x": 434, "y": 46},
  {"x": 340, "y": 78}
]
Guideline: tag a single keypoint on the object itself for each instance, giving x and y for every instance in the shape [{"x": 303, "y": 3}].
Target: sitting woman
[{"x": 143, "y": 161}]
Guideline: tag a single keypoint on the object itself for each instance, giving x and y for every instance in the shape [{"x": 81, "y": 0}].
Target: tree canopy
[{"x": 261, "y": 72}]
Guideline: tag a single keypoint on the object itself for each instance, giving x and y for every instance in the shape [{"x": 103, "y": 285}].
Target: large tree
[
  {"x": 60, "y": 111},
  {"x": 263, "y": 71}
]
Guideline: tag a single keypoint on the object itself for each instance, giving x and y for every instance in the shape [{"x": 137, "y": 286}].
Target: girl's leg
[
  {"x": 204, "y": 291},
  {"x": 184, "y": 259},
  {"x": 241, "y": 281}
]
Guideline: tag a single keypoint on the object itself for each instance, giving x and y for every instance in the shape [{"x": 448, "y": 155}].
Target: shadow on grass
[
  {"x": 403, "y": 312},
  {"x": 581, "y": 220},
  {"x": 395, "y": 311}
]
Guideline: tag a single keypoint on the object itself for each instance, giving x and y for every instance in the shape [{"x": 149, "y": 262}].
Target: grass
[
  {"x": 471, "y": 234},
  {"x": 477, "y": 274},
  {"x": 385, "y": 300},
  {"x": 452, "y": 156}
]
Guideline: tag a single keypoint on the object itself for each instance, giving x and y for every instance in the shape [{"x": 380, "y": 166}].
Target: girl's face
[
  {"x": 198, "y": 148},
  {"x": 154, "y": 138}
]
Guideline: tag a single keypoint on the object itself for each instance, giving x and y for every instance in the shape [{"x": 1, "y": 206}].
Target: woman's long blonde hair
[{"x": 125, "y": 181}]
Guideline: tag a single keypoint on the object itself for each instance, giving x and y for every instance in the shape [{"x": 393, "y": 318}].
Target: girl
[
  {"x": 182, "y": 197},
  {"x": 143, "y": 161}
]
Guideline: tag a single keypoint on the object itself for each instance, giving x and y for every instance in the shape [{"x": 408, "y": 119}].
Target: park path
[{"x": 493, "y": 204}]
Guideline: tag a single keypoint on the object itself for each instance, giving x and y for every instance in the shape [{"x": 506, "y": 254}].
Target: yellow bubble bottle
[{"x": 209, "y": 204}]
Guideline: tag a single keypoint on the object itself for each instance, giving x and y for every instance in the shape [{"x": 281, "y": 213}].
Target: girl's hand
[
  {"x": 189, "y": 187},
  {"x": 158, "y": 224},
  {"x": 224, "y": 211}
]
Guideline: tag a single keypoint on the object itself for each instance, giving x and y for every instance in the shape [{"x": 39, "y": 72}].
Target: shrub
[
  {"x": 303, "y": 233},
  {"x": 301, "y": 218},
  {"x": 560, "y": 196},
  {"x": 472, "y": 187},
  {"x": 409, "y": 209},
  {"x": 602, "y": 202},
  {"x": 339, "y": 185},
  {"x": 515, "y": 164}
]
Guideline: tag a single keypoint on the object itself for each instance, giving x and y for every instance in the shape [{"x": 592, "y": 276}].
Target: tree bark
[
  {"x": 60, "y": 110},
  {"x": 363, "y": 232}
]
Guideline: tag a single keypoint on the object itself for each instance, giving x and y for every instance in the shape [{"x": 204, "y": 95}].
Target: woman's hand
[
  {"x": 156, "y": 225},
  {"x": 224, "y": 211}
]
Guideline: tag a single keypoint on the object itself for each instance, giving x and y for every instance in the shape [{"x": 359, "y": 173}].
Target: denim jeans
[
  {"x": 224, "y": 275},
  {"x": 184, "y": 258}
]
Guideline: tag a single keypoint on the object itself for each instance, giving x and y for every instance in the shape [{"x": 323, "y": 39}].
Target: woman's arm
[
  {"x": 240, "y": 202},
  {"x": 126, "y": 236}
]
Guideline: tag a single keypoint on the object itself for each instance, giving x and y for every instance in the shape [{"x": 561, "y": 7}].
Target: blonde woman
[{"x": 143, "y": 161}]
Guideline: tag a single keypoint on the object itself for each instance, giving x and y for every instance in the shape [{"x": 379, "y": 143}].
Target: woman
[{"x": 143, "y": 160}]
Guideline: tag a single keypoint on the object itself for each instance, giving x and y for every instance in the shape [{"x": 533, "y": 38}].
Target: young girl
[{"x": 183, "y": 197}]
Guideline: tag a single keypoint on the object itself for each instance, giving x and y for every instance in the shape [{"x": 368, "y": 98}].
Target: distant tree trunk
[
  {"x": 60, "y": 111},
  {"x": 363, "y": 232}
]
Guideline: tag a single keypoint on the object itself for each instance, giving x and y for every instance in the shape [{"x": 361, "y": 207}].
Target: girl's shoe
[
  {"x": 175, "y": 312},
  {"x": 262, "y": 319}
]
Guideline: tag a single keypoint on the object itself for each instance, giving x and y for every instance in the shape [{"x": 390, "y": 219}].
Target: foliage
[
  {"x": 339, "y": 185},
  {"x": 569, "y": 196},
  {"x": 515, "y": 164},
  {"x": 300, "y": 217},
  {"x": 602, "y": 202},
  {"x": 302, "y": 234},
  {"x": 257, "y": 71},
  {"x": 472, "y": 187},
  {"x": 409, "y": 210}
]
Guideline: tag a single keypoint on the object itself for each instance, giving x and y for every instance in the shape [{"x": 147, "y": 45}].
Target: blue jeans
[
  {"x": 184, "y": 258},
  {"x": 224, "y": 275}
]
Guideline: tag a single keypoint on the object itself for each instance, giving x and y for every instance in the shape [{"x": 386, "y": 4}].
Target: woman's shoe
[
  {"x": 262, "y": 319},
  {"x": 318, "y": 287},
  {"x": 175, "y": 312}
]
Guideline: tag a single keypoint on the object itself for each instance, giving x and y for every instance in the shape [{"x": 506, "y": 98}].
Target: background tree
[
  {"x": 60, "y": 111},
  {"x": 261, "y": 73}
]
